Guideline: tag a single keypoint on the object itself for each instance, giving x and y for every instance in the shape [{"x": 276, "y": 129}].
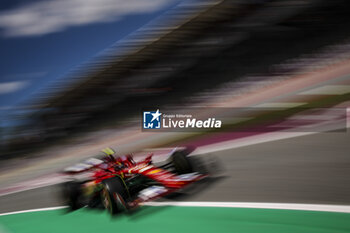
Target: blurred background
[
  {"x": 75, "y": 76},
  {"x": 74, "y": 67}
]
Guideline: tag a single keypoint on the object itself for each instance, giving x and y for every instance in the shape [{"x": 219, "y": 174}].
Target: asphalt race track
[{"x": 310, "y": 169}]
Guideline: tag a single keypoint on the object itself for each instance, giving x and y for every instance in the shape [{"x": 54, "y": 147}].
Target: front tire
[{"x": 114, "y": 195}]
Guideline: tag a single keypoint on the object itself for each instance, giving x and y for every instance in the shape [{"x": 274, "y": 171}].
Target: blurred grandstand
[{"x": 195, "y": 52}]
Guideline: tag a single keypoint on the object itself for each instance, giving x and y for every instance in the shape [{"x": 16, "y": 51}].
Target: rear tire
[
  {"x": 181, "y": 163},
  {"x": 114, "y": 195},
  {"x": 72, "y": 194}
]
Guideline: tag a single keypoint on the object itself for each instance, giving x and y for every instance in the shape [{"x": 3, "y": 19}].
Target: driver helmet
[{"x": 109, "y": 152}]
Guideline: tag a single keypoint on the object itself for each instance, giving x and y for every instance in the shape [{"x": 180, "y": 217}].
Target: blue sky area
[{"x": 42, "y": 41}]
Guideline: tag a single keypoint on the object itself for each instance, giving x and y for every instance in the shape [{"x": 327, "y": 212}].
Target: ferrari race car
[{"x": 119, "y": 183}]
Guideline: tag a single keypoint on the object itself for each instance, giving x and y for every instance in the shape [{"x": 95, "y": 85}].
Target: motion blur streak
[
  {"x": 276, "y": 73},
  {"x": 43, "y": 17},
  {"x": 192, "y": 44}
]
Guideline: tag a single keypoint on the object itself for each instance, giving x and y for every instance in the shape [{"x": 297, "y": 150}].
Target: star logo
[
  {"x": 152, "y": 119},
  {"x": 156, "y": 115}
]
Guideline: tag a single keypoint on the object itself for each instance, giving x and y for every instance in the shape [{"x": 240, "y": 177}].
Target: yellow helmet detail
[{"x": 108, "y": 151}]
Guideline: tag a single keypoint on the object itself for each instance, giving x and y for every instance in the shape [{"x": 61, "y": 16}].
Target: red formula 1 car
[{"x": 119, "y": 183}]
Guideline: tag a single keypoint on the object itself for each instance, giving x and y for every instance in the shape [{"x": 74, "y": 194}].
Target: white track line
[
  {"x": 257, "y": 205},
  {"x": 253, "y": 205},
  {"x": 34, "y": 210}
]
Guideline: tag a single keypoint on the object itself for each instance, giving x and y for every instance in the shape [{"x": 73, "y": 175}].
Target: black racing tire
[
  {"x": 72, "y": 193},
  {"x": 181, "y": 163},
  {"x": 114, "y": 195}
]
